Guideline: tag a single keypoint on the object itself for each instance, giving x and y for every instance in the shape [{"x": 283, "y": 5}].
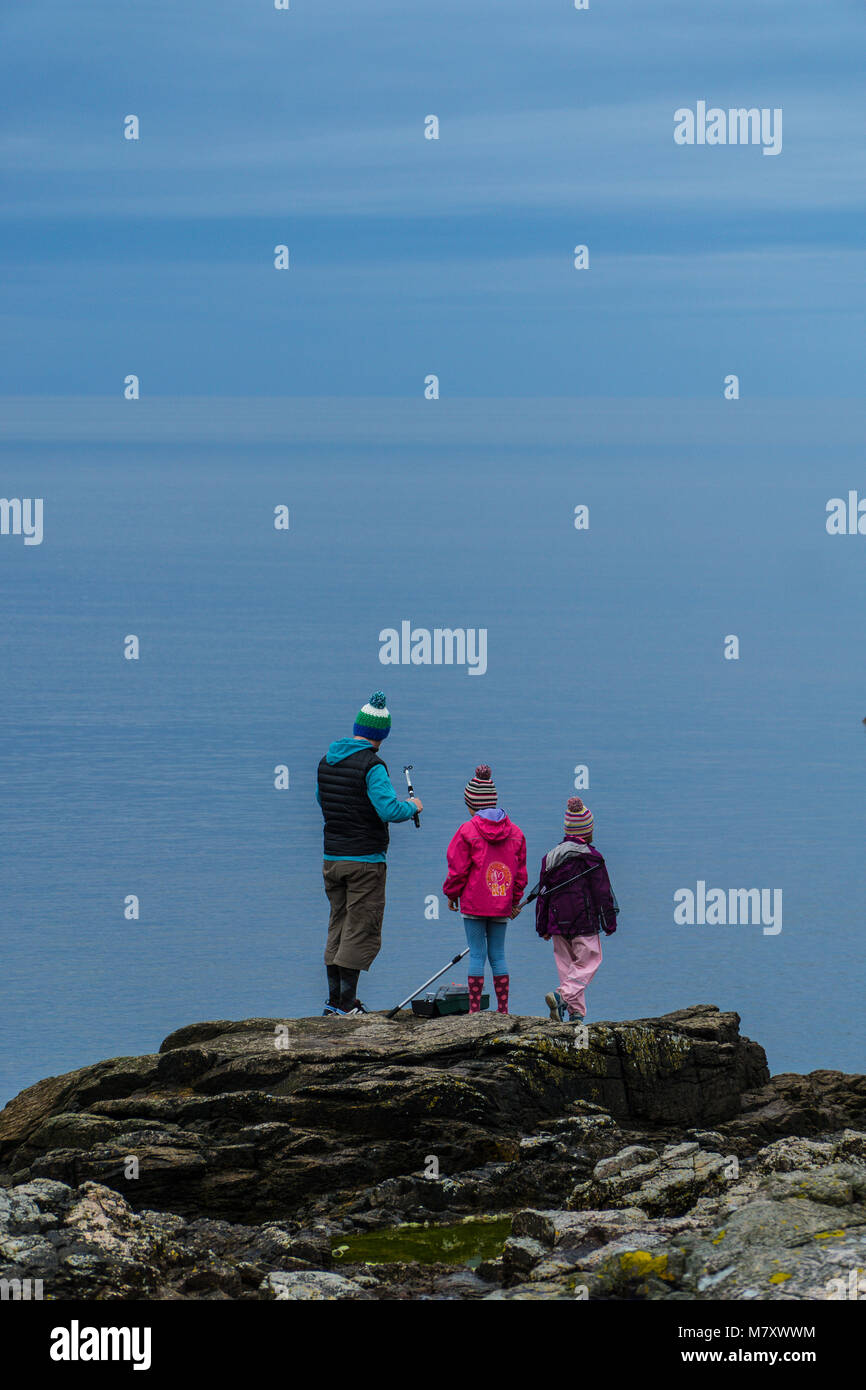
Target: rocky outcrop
[
  {"x": 87, "y": 1242},
  {"x": 774, "y": 1231},
  {"x": 246, "y": 1121},
  {"x": 227, "y": 1164},
  {"x": 802, "y": 1105}
]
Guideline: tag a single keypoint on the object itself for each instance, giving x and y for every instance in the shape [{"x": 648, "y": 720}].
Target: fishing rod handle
[{"x": 406, "y": 770}]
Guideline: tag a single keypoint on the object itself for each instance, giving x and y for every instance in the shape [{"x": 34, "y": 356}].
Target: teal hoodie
[{"x": 386, "y": 803}]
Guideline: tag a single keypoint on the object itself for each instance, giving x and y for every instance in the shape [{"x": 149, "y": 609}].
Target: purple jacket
[{"x": 575, "y": 897}]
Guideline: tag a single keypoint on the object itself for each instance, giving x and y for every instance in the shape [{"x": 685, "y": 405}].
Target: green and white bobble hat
[{"x": 373, "y": 720}]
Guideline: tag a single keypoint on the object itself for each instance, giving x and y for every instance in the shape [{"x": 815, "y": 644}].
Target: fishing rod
[
  {"x": 410, "y": 997},
  {"x": 407, "y": 768}
]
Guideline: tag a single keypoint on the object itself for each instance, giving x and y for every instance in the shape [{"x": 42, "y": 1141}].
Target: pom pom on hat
[
  {"x": 480, "y": 790},
  {"x": 578, "y": 818},
  {"x": 373, "y": 720}
]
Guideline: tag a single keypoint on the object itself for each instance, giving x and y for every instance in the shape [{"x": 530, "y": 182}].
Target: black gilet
[{"x": 352, "y": 824}]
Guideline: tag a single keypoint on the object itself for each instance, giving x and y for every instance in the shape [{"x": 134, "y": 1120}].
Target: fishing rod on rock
[{"x": 397, "y": 1007}]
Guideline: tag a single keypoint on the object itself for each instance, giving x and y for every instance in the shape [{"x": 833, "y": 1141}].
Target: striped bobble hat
[
  {"x": 578, "y": 818},
  {"x": 480, "y": 790},
  {"x": 373, "y": 720}
]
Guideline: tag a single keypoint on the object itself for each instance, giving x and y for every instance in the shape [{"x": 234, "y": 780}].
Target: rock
[
  {"x": 459, "y": 1285},
  {"x": 647, "y": 1271},
  {"x": 706, "y": 1138},
  {"x": 669, "y": 1193},
  {"x": 806, "y": 1106},
  {"x": 788, "y": 1155},
  {"x": 521, "y": 1253},
  {"x": 793, "y": 1154},
  {"x": 542, "y": 1146},
  {"x": 837, "y": 1185},
  {"x": 852, "y": 1144},
  {"x": 261, "y": 1144},
  {"x": 224, "y": 1123},
  {"x": 557, "y": 1265},
  {"x": 627, "y": 1158},
  {"x": 567, "y": 1228},
  {"x": 674, "y": 1153},
  {"x": 552, "y": 1290},
  {"x": 312, "y": 1286},
  {"x": 577, "y": 1128},
  {"x": 663, "y": 1186},
  {"x": 797, "y": 1236},
  {"x": 311, "y": 1246},
  {"x": 23, "y": 1114},
  {"x": 537, "y": 1225},
  {"x": 491, "y": 1271},
  {"x": 92, "y": 1244}
]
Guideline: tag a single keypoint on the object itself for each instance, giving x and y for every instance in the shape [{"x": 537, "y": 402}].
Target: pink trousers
[{"x": 577, "y": 959}]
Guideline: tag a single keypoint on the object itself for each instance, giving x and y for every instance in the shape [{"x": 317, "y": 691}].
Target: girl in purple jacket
[{"x": 574, "y": 904}]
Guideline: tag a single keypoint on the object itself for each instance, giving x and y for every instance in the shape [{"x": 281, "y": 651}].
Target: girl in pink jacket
[{"x": 486, "y": 879}]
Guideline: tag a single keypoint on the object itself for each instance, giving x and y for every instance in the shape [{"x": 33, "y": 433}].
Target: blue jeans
[{"x": 486, "y": 937}]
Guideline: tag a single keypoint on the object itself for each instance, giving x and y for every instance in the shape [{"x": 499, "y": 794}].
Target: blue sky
[{"x": 412, "y": 256}]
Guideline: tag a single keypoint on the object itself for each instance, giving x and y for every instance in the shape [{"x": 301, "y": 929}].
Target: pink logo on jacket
[{"x": 487, "y": 867}]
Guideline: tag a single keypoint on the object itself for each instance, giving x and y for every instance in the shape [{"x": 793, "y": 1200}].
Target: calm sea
[{"x": 605, "y": 649}]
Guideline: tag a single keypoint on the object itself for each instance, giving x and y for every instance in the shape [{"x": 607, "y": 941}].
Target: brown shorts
[{"x": 356, "y": 892}]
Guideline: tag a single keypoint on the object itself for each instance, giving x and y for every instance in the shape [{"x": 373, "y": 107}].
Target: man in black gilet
[{"x": 357, "y": 801}]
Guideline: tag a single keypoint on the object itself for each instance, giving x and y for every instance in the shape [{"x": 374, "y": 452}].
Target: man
[{"x": 357, "y": 801}]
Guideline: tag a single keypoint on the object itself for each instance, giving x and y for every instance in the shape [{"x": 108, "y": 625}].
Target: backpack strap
[
  {"x": 555, "y": 887},
  {"x": 538, "y": 891}
]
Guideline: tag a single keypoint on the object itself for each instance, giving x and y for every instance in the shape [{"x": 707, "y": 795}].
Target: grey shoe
[{"x": 556, "y": 1005}]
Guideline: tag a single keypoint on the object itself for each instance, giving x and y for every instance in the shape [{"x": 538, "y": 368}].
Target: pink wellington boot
[
  {"x": 476, "y": 985},
  {"x": 500, "y": 984}
]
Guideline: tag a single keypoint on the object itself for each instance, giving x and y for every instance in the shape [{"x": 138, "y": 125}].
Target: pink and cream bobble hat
[{"x": 578, "y": 818}]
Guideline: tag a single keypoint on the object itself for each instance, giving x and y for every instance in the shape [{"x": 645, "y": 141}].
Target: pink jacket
[{"x": 486, "y": 867}]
